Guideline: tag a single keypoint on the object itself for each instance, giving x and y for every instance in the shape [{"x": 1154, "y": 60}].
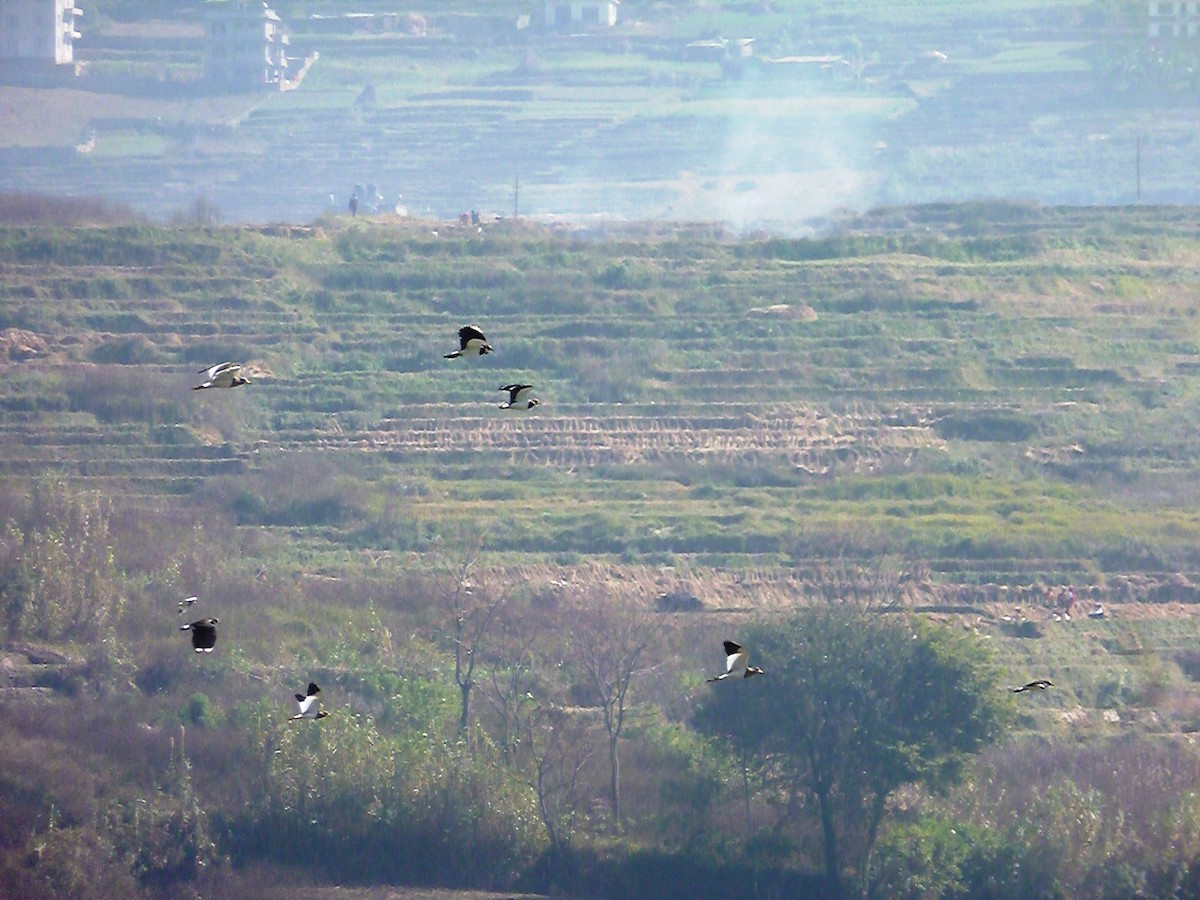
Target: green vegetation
[
  {"x": 936, "y": 416},
  {"x": 855, "y": 707}
]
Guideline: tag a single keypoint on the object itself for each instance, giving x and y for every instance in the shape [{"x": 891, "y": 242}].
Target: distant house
[
  {"x": 244, "y": 44},
  {"x": 1173, "y": 18},
  {"x": 374, "y": 23},
  {"x": 718, "y": 49},
  {"x": 581, "y": 13},
  {"x": 39, "y": 33}
]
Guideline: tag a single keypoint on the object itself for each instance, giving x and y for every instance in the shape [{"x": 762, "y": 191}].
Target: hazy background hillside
[{"x": 839, "y": 105}]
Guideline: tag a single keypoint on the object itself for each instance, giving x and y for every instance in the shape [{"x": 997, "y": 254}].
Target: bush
[
  {"x": 201, "y": 712},
  {"x": 58, "y": 578},
  {"x": 935, "y": 859}
]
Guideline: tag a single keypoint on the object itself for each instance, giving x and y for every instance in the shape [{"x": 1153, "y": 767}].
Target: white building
[
  {"x": 244, "y": 44},
  {"x": 1173, "y": 18},
  {"x": 38, "y": 31},
  {"x": 581, "y": 13}
]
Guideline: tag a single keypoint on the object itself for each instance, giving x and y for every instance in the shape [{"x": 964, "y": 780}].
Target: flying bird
[
  {"x": 309, "y": 704},
  {"x": 520, "y": 396},
  {"x": 222, "y": 375},
  {"x": 204, "y": 634},
  {"x": 185, "y": 603},
  {"x": 737, "y": 661},
  {"x": 1040, "y": 685},
  {"x": 471, "y": 341}
]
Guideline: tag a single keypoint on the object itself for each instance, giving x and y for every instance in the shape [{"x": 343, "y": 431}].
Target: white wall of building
[{"x": 38, "y": 31}]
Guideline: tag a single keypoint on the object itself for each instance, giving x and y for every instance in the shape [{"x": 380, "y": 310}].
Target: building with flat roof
[
  {"x": 1173, "y": 18},
  {"x": 581, "y": 13},
  {"x": 38, "y": 33},
  {"x": 244, "y": 44}
]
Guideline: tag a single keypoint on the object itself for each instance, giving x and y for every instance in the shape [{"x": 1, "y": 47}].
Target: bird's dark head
[
  {"x": 322, "y": 714},
  {"x": 532, "y": 403},
  {"x": 239, "y": 380},
  {"x": 753, "y": 670},
  {"x": 485, "y": 349}
]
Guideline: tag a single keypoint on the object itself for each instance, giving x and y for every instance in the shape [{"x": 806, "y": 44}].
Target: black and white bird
[
  {"x": 222, "y": 375},
  {"x": 310, "y": 706},
  {"x": 520, "y": 396},
  {"x": 204, "y": 634},
  {"x": 1040, "y": 685},
  {"x": 185, "y": 603},
  {"x": 737, "y": 662},
  {"x": 471, "y": 342}
]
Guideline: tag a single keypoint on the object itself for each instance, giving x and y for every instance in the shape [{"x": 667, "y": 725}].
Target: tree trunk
[
  {"x": 464, "y": 716},
  {"x": 614, "y": 784},
  {"x": 833, "y": 875},
  {"x": 746, "y": 785},
  {"x": 877, "y": 809}
]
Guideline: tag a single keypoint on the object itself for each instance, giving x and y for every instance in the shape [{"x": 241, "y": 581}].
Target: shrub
[
  {"x": 58, "y": 578},
  {"x": 200, "y": 711}
]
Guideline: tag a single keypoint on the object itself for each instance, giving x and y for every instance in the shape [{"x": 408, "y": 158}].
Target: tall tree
[
  {"x": 854, "y": 705},
  {"x": 608, "y": 645},
  {"x": 472, "y": 611}
]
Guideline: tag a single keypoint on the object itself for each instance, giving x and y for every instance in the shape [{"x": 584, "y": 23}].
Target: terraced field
[
  {"x": 954, "y": 411},
  {"x": 1008, "y": 403}
]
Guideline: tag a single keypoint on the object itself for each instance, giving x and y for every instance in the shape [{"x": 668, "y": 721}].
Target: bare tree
[
  {"x": 608, "y": 645},
  {"x": 558, "y": 751},
  {"x": 857, "y": 569},
  {"x": 472, "y": 612},
  {"x": 512, "y": 680}
]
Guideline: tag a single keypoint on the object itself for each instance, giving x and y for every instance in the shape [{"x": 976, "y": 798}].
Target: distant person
[
  {"x": 474, "y": 217},
  {"x": 354, "y": 204}
]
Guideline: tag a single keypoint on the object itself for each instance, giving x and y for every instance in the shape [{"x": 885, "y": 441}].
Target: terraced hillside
[
  {"x": 930, "y": 422},
  {"x": 1003, "y": 395},
  {"x": 843, "y": 105}
]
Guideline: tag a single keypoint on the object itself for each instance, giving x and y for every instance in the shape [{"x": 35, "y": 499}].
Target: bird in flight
[
  {"x": 471, "y": 342},
  {"x": 1040, "y": 685},
  {"x": 222, "y": 375},
  {"x": 185, "y": 603},
  {"x": 520, "y": 396},
  {"x": 204, "y": 634},
  {"x": 737, "y": 662},
  {"x": 310, "y": 706}
]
